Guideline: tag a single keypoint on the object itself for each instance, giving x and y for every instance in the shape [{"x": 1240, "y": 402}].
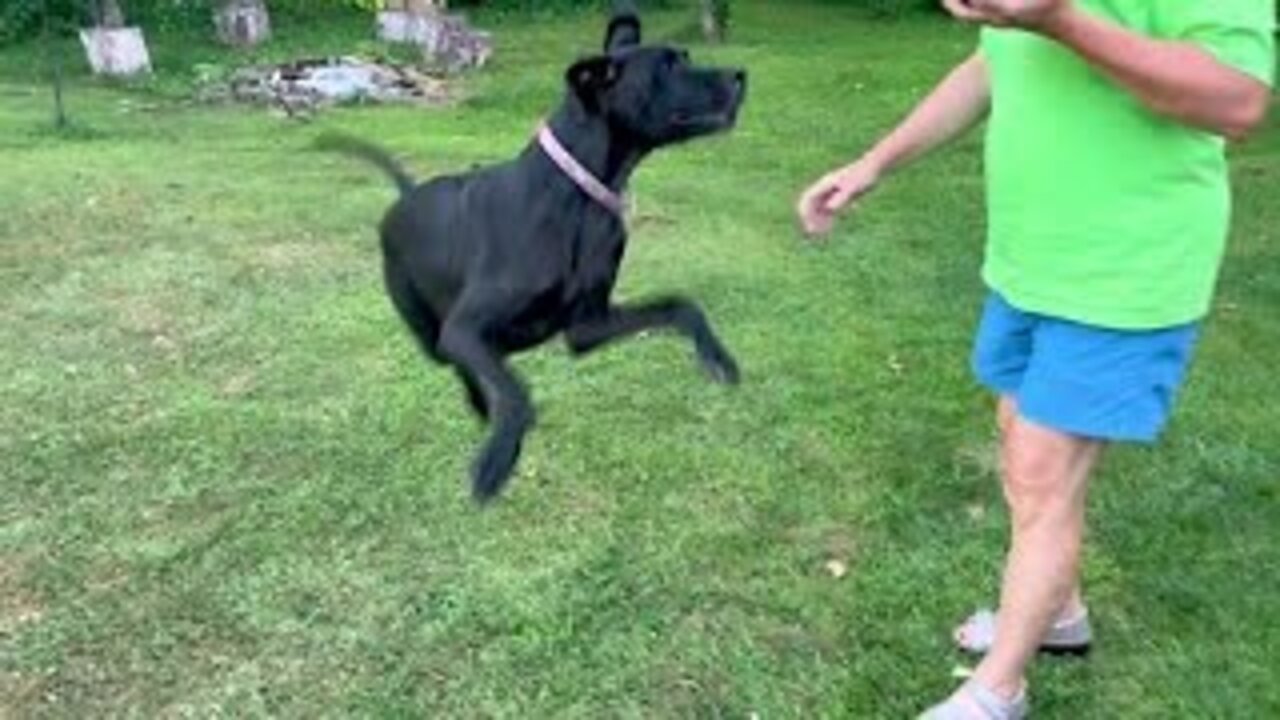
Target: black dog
[{"x": 504, "y": 258}]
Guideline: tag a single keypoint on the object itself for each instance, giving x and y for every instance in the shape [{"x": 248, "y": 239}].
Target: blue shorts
[{"x": 1082, "y": 380}]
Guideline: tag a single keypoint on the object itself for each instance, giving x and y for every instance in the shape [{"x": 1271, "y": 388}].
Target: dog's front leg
[
  {"x": 679, "y": 314},
  {"x": 510, "y": 411}
]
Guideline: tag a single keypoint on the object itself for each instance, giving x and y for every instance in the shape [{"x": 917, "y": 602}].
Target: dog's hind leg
[
  {"x": 678, "y": 314},
  {"x": 424, "y": 324},
  {"x": 475, "y": 396},
  {"x": 463, "y": 342},
  {"x": 415, "y": 312}
]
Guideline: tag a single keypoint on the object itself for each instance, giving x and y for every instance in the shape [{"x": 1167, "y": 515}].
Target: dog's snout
[{"x": 739, "y": 79}]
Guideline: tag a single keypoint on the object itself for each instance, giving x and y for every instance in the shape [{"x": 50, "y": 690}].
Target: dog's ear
[
  {"x": 592, "y": 76},
  {"x": 624, "y": 27}
]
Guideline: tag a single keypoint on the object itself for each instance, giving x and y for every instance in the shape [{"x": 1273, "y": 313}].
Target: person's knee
[
  {"x": 1034, "y": 503},
  {"x": 1040, "y": 480}
]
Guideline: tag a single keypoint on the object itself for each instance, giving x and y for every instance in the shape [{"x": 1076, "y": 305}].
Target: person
[{"x": 1108, "y": 209}]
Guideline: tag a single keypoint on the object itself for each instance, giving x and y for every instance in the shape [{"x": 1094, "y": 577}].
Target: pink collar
[{"x": 580, "y": 176}]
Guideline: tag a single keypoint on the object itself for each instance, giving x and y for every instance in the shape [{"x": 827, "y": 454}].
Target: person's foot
[
  {"x": 975, "y": 701},
  {"x": 1071, "y": 634}
]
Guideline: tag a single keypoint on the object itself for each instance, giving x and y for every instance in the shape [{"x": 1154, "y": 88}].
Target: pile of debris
[{"x": 304, "y": 86}]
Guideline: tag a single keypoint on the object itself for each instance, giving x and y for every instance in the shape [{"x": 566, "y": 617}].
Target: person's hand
[
  {"x": 822, "y": 202},
  {"x": 1033, "y": 15}
]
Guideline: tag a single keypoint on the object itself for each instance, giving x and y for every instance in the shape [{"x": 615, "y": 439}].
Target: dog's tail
[{"x": 370, "y": 153}]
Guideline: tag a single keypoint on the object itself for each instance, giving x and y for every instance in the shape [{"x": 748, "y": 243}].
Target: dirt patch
[
  {"x": 290, "y": 256},
  {"x": 139, "y": 315},
  {"x": 284, "y": 256},
  {"x": 147, "y": 318},
  {"x": 19, "y": 606},
  {"x": 238, "y": 385},
  {"x": 19, "y": 693},
  {"x": 831, "y": 551}
]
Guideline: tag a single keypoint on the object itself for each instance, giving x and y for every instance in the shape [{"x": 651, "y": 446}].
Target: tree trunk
[
  {"x": 243, "y": 23},
  {"x": 110, "y": 14},
  {"x": 426, "y": 7},
  {"x": 408, "y": 21},
  {"x": 715, "y": 20},
  {"x": 448, "y": 42},
  {"x": 53, "y": 54}
]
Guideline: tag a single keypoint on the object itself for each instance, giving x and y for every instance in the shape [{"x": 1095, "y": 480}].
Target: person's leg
[
  {"x": 1007, "y": 413},
  {"x": 1081, "y": 382},
  {"x": 975, "y": 634},
  {"x": 1046, "y": 474},
  {"x": 1067, "y": 390}
]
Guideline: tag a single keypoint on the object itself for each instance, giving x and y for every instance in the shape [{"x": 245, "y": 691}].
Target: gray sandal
[
  {"x": 973, "y": 701},
  {"x": 1068, "y": 637}
]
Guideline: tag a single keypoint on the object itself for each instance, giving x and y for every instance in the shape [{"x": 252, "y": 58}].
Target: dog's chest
[
  {"x": 588, "y": 271},
  {"x": 541, "y": 317},
  {"x": 594, "y": 260}
]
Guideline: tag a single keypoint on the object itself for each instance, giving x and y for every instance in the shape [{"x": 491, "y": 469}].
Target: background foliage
[{"x": 20, "y": 19}]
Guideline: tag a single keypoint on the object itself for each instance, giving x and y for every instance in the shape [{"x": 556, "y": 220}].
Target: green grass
[{"x": 231, "y": 487}]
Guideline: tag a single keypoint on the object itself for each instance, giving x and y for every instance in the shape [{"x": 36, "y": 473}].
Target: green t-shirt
[{"x": 1100, "y": 211}]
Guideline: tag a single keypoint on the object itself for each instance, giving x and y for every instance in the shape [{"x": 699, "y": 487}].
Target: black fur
[{"x": 504, "y": 258}]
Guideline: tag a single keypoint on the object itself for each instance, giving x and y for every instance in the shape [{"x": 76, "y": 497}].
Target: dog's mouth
[
  {"x": 720, "y": 118},
  {"x": 711, "y": 119}
]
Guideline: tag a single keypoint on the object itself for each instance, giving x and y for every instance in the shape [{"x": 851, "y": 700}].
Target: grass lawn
[{"x": 229, "y": 486}]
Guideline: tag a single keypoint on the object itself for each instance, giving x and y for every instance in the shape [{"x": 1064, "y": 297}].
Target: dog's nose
[{"x": 740, "y": 81}]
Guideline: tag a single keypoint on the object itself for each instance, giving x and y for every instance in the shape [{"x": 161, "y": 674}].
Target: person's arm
[
  {"x": 1175, "y": 79},
  {"x": 957, "y": 104}
]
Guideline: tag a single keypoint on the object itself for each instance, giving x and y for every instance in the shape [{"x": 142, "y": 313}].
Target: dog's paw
[{"x": 720, "y": 366}]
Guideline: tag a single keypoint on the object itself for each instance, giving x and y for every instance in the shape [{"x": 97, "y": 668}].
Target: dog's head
[{"x": 654, "y": 94}]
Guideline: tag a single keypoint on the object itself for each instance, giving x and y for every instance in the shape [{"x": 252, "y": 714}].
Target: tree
[
  {"x": 715, "y": 20},
  {"x": 448, "y": 42},
  {"x": 408, "y": 20},
  {"x": 108, "y": 14},
  {"x": 53, "y": 54},
  {"x": 426, "y": 7},
  {"x": 243, "y": 23}
]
